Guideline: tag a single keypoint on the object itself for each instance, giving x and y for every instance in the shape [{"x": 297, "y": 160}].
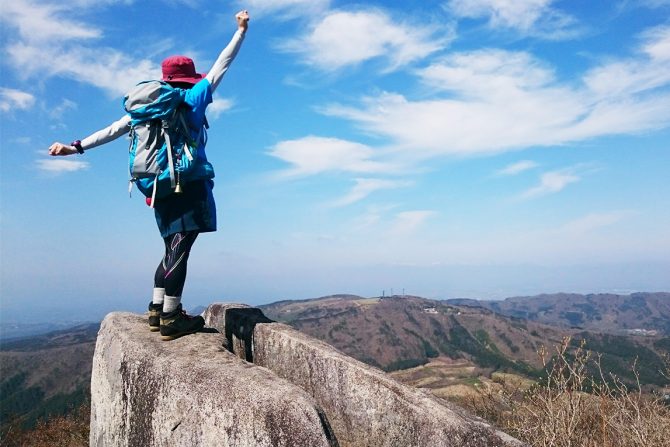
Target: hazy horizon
[{"x": 96, "y": 311}]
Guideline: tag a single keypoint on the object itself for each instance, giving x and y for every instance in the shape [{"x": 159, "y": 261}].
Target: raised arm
[
  {"x": 215, "y": 74},
  {"x": 109, "y": 133}
]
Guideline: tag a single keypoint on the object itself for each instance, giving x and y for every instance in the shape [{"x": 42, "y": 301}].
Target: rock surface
[
  {"x": 191, "y": 392},
  {"x": 364, "y": 405}
]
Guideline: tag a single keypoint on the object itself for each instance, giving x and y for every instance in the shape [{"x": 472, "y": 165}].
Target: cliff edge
[
  {"x": 191, "y": 392},
  {"x": 258, "y": 383}
]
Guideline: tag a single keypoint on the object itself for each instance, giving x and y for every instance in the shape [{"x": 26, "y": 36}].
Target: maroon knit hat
[{"x": 180, "y": 69}]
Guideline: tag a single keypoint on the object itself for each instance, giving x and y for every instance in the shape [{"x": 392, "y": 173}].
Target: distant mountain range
[
  {"x": 638, "y": 313},
  {"x": 15, "y": 330}
]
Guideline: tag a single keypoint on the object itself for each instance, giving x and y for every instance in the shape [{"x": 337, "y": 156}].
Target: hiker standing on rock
[{"x": 190, "y": 210}]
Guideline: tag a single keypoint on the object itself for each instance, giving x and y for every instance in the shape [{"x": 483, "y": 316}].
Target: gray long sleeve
[
  {"x": 215, "y": 74},
  {"x": 109, "y": 133}
]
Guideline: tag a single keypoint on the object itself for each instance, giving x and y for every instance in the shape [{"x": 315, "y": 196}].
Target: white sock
[
  {"x": 159, "y": 293},
  {"x": 171, "y": 303}
]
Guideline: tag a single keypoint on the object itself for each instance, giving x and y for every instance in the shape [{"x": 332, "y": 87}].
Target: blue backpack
[{"x": 162, "y": 151}]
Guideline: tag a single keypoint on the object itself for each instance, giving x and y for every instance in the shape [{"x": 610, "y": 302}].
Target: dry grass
[
  {"x": 60, "y": 431},
  {"x": 572, "y": 407}
]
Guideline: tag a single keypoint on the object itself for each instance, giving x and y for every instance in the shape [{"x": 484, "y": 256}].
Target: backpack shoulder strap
[
  {"x": 168, "y": 143},
  {"x": 190, "y": 145}
]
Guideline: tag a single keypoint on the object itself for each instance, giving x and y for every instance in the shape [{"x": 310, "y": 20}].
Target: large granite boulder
[
  {"x": 192, "y": 392},
  {"x": 365, "y": 406}
]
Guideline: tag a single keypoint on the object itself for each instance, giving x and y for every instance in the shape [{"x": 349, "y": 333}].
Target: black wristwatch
[{"x": 77, "y": 145}]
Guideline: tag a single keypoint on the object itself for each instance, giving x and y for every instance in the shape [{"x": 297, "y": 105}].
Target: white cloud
[
  {"x": 632, "y": 76},
  {"x": 657, "y": 43},
  {"x": 341, "y": 39},
  {"x": 45, "y": 34},
  {"x": 44, "y": 22},
  {"x": 530, "y": 17},
  {"x": 366, "y": 186},
  {"x": 283, "y": 9},
  {"x": 551, "y": 182},
  {"x": 314, "y": 155},
  {"x": 12, "y": 99},
  {"x": 372, "y": 216},
  {"x": 58, "y": 111},
  {"x": 190, "y": 3},
  {"x": 496, "y": 101},
  {"x": 517, "y": 168},
  {"x": 92, "y": 3},
  {"x": 105, "y": 68},
  {"x": 408, "y": 222},
  {"x": 60, "y": 165},
  {"x": 487, "y": 72},
  {"x": 218, "y": 106},
  {"x": 656, "y": 3},
  {"x": 22, "y": 140},
  {"x": 492, "y": 101},
  {"x": 593, "y": 221}
]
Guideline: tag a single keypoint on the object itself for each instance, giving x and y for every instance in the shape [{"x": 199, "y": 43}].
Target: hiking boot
[
  {"x": 155, "y": 316},
  {"x": 177, "y": 323}
]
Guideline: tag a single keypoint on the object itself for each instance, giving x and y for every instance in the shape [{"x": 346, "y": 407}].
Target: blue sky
[{"x": 482, "y": 148}]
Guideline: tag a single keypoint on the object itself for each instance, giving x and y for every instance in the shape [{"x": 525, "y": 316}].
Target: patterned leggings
[{"x": 171, "y": 272}]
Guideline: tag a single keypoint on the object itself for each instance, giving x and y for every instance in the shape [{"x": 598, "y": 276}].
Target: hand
[
  {"x": 242, "y": 18},
  {"x": 61, "y": 149}
]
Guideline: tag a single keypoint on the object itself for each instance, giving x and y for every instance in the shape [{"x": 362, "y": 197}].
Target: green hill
[{"x": 45, "y": 375}]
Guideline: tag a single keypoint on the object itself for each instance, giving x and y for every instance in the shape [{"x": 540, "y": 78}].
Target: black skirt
[{"x": 191, "y": 210}]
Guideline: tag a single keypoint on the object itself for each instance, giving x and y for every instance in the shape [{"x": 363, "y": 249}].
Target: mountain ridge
[
  {"x": 400, "y": 332},
  {"x": 603, "y": 312}
]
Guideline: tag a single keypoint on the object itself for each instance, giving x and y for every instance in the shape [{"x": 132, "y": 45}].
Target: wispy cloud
[
  {"x": 491, "y": 101},
  {"x": 631, "y": 76},
  {"x": 594, "y": 221},
  {"x": 496, "y": 101},
  {"x": 517, "y": 168},
  {"x": 530, "y": 17},
  {"x": 219, "y": 106},
  {"x": 22, "y": 140},
  {"x": 407, "y": 222},
  {"x": 342, "y": 38},
  {"x": 314, "y": 155},
  {"x": 105, "y": 68},
  {"x": 657, "y": 42},
  {"x": 12, "y": 99},
  {"x": 656, "y": 3},
  {"x": 60, "y": 165},
  {"x": 551, "y": 182},
  {"x": 283, "y": 9},
  {"x": 372, "y": 216},
  {"x": 45, "y": 34},
  {"x": 366, "y": 186},
  {"x": 45, "y": 22},
  {"x": 58, "y": 111}
]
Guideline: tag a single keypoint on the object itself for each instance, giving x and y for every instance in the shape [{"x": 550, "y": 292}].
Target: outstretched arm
[
  {"x": 226, "y": 57},
  {"x": 109, "y": 133}
]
